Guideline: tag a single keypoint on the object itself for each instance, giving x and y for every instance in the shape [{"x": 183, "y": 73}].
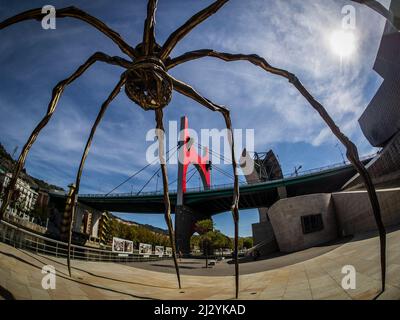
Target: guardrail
[
  {"x": 230, "y": 185},
  {"x": 23, "y": 239}
]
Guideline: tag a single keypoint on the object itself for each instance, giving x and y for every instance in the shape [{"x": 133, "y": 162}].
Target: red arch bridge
[{"x": 202, "y": 203}]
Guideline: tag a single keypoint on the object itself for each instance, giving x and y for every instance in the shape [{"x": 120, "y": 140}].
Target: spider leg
[
  {"x": 70, "y": 205},
  {"x": 182, "y": 31},
  {"x": 149, "y": 25},
  {"x": 188, "y": 91},
  {"x": 57, "y": 92},
  {"x": 76, "y": 13},
  {"x": 351, "y": 149},
  {"x": 168, "y": 220},
  {"x": 379, "y": 8}
]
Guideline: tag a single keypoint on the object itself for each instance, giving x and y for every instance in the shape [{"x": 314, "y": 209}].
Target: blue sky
[{"x": 293, "y": 35}]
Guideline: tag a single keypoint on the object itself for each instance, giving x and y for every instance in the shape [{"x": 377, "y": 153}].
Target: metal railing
[
  {"x": 230, "y": 185},
  {"x": 23, "y": 239}
]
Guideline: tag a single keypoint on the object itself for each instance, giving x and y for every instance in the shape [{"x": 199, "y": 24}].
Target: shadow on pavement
[
  {"x": 7, "y": 295},
  {"x": 72, "y": 279}
]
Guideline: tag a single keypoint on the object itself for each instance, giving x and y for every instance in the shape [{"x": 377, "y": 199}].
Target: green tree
[
  {"x": 136, "y": 234},
  {"x": 240, "y": 243},
  {"x": 195, "y": 241},
  {"x": 220, "y": 241},
  {"x": 248, "y": 242},
  {"x": 205, "y": 228}
]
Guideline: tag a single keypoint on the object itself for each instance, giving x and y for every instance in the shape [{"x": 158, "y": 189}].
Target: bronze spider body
[{"x": 148, "y": 84}]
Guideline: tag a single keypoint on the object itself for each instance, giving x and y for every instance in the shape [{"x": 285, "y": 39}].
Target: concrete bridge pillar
[{"x": 185, "y": 221}]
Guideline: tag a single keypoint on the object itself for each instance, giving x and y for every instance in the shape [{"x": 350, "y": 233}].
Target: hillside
[
  {"x": 8, "y": 163},
  {"x": 136, "y": 224},
  {"x": 4, "y": 154}
]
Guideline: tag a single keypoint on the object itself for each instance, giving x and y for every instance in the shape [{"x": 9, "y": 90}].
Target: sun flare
[{"x": 343, "y": 43}]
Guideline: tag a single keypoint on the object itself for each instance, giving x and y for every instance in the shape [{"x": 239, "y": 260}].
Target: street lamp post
[{"x": 296, "y": 170}]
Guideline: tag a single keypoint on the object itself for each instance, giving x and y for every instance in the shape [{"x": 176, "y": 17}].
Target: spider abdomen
[{"x": 148, "y": 85}]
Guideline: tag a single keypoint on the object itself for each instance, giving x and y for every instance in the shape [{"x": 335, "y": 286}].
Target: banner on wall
[
  {"x": 145, "y": 249},
  {"x": 159, "y": 251},
  {"x": 168, "y": 251},
  {"x": 122, "y": 245}
]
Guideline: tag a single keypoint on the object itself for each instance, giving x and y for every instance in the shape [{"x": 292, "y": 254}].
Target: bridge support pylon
[
  {"x": 185, "y": 221},
  {"x": 186, "y": 217}
]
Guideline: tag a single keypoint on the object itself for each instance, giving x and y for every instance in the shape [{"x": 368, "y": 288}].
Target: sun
[{"x": 343, "y": 43}]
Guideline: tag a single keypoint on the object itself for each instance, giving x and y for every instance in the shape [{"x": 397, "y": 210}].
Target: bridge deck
[{"x": 219, "y": 198}]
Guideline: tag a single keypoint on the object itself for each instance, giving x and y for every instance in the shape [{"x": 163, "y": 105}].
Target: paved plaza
[
  {"x": 318, "y": 277},
  {"x": 226, "y": 267}
]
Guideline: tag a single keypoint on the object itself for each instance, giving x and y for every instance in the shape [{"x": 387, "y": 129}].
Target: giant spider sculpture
[{"x": 148, "y": 84}]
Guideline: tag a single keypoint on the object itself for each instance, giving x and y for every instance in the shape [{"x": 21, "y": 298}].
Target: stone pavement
[
  {"x": 317, "y": 278},
  {"x": 196, "y": 267}
]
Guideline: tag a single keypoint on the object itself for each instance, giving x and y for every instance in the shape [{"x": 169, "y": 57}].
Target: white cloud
[{"x": 289, "y": 34}]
